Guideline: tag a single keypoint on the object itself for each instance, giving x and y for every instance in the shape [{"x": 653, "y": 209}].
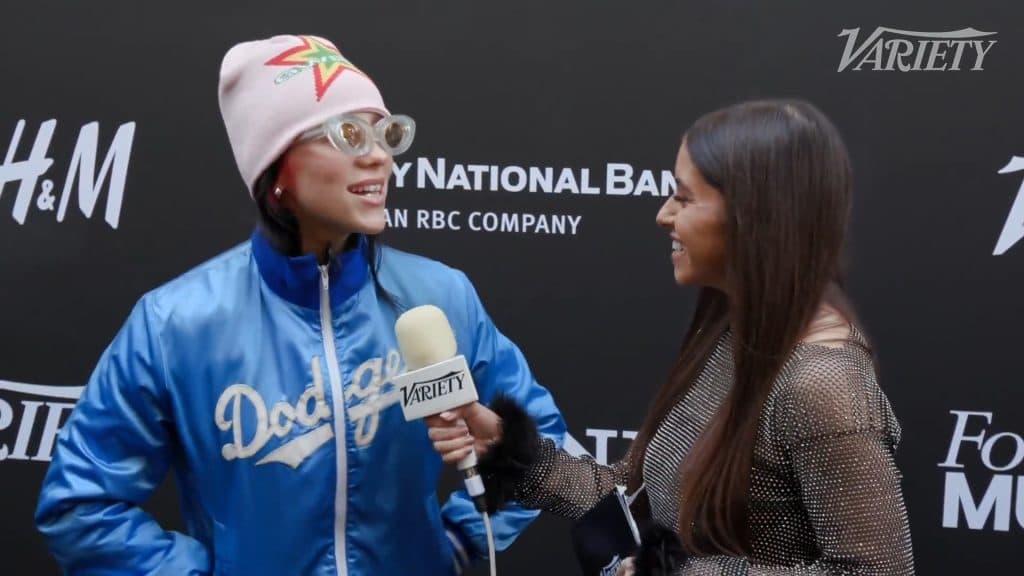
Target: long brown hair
[{"x": 785, "y": 176}]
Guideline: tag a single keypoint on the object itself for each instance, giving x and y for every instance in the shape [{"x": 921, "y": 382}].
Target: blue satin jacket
[{"x": 265, "y": 384}]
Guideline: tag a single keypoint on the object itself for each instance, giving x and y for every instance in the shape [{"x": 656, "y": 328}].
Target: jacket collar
[{"x": 298, "y": 279}]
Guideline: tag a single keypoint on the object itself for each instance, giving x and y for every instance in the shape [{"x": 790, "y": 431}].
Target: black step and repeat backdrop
[{"x": 547, "y": 132}]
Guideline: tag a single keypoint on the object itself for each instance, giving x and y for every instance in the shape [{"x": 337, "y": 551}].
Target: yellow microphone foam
[{"x": 424, "y": 337}]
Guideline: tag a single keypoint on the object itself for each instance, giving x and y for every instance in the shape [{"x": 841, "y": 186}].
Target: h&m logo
[{"x": 82, "y": 169}]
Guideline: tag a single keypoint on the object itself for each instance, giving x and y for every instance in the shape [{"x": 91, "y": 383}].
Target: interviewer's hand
[
  {"x": 626, "y": 568},
  {"x": 456, "y": 432}
]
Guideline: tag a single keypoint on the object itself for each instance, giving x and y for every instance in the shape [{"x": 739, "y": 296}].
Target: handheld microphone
[{"x": 436, "y": 378}]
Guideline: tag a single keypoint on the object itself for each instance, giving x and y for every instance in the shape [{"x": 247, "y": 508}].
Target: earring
[{"x": 278, "y": 192}]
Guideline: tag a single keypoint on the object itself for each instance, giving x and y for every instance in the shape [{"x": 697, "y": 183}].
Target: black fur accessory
[{"x": 507, "y": 461}]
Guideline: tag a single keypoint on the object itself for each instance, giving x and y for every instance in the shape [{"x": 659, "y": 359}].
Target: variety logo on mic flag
[
  {"x": 436, "y": 388},
  {"x": 889, "y": 49}
]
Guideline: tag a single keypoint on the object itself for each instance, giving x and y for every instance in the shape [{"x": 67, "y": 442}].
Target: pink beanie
[{"x": 273, "y": 90}]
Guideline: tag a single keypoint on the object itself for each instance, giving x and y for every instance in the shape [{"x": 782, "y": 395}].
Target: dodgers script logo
[{"x": 370, "y": 391}]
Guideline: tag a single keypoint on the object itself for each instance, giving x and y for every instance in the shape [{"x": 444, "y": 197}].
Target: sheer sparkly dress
[{"x": 825, "y": 493}]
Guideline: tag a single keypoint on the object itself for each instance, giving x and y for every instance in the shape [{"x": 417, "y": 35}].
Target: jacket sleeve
[
  {"x": 498, "y": 367},
  {"x": 112, "y": 453}
]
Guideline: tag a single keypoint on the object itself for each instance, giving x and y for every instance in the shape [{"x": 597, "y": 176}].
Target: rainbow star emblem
[{"x": 325, "y": 60}]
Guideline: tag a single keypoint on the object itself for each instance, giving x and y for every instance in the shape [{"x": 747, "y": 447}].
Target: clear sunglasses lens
[
  {"x": 353, "y": 135},
  {"x": 398, "y": 133}
]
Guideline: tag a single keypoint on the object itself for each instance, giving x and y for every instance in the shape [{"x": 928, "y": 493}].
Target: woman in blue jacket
[{"x": 264, "y": 378}]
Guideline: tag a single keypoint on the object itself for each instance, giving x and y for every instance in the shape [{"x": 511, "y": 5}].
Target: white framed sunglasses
[{"x": 355, "y": 136}]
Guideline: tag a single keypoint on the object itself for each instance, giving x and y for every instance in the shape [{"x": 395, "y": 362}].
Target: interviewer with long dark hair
[{"x": 770, "y": 449}]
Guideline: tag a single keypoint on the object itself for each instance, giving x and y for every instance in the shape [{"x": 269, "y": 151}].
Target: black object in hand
[
  {"x": 661, "y": 552},
  {"x": 605, "y": 536}
]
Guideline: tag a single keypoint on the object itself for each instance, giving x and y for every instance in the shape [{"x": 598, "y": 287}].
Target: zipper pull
[{"x": 323, "y": 277}]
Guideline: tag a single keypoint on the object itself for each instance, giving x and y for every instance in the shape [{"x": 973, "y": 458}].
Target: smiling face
[
  {"x": 695, "y": 219},
  {"x": 332, "y": 194}
]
